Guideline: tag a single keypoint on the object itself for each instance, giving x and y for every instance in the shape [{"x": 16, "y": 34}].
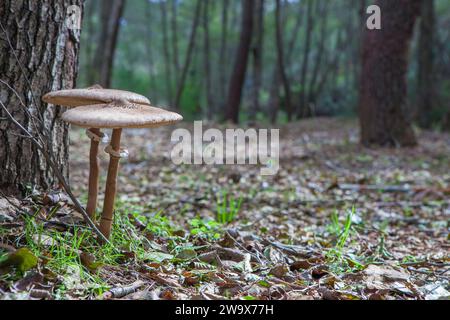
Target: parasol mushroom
[
  {"x": 117, "y": 115},
  {"x": 89, "y": 96}
]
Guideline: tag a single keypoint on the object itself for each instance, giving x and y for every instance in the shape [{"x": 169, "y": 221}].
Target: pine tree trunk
[
  {"x": 43, "y": 57},
  {"x": 382, "y": 101},
  {"x": 240, "y": 63}
]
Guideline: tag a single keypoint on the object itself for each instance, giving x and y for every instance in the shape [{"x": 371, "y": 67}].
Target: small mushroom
[
  {"x": 90, "y": 96},
  {"x": 117, "y": 115}
]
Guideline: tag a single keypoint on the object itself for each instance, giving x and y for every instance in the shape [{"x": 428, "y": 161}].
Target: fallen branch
[
  {"x": 390, "y": 188},
  {"x": 120, "y": 292}
]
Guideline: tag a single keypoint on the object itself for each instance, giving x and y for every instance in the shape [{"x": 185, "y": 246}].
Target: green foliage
[
  {"x": 22, "y": 259},
  {"x": 339, "y": 260},
  {"x": 227, "y": 208},
  {"x": 205, "y": 229}
]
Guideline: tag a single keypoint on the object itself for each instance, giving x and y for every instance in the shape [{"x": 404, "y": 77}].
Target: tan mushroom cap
[
  {"x": 91, "y": 96},
  {"x": 120, "y": 114}
]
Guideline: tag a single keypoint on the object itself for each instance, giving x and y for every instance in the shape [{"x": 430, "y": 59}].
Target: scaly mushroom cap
[
  {"x": 120, "y": 114},
  {"x": 91, "y": 96}
]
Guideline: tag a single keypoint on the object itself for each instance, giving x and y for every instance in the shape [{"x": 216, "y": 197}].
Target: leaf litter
[{"x": 338, "y": 221}]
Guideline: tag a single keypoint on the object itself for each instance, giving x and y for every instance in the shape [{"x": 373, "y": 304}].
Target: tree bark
[
  {"x": 189, "y": 52},
  {"x": 111, "y": 13},
  {"x": 426, "y": 74},
  {"x": 382, "y": 101},
  {"x": 39, "y": 54},
  {"x": 240, "y": 63}
]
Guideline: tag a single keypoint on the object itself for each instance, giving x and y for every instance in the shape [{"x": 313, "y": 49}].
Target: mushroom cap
[
  {"x": 120, "y": 114},
  {"x": 91, "y": 96}
]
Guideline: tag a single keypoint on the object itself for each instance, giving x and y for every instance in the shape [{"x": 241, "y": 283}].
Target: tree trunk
[
  {"x": 166, "y": 52},
  {"x": 39, "y": 54},
  {"x": 382, "y": 100},
  {"x": 323, "y": 16},
  {"x": 302, "y": 107},
  {"x": 426, "y": 79},
  {"x": 189, "y": 52},
  {"x": 280, "y": 60},
  {"x": 149, "y": 46},
  {"x": 207, "y": 62},
  {"x": 223, "y": 53},
  {"x": 240, "y": 63},
  {"x": 174, "y": 25},
  {"x": 111, "y": 13},
  {"x": 257, "y": 58}
]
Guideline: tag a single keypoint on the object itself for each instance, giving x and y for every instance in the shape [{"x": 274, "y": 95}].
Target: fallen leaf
[{"x": 23, "y": 259}]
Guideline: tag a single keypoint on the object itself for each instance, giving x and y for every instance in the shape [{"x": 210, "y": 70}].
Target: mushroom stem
[
  {"x": 94, "y": 168},
  {"x": 111, "y": 181}
]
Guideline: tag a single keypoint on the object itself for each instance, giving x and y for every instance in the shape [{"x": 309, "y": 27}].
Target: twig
[
  {"x": 49, "y": 158},
  {"x": 120, "y": 292},
  {"x": 256, "y": 256},
  {"x": 389, "y": 188}
]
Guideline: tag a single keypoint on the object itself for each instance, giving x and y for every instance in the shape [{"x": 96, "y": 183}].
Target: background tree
[
  {"x": 166, "y": 51},
  {"x": 302, "y": 110},
  {"x": 190, "y": 50},
  {"x": 240, "y": 63},
  {"x": 33, "y": 38},
  {"x": 382, "y": 103},
  {"x": 207, "y": 61},
  {"x": 425, "y": 74},
  {"x": 322, "y": 65},
  {"x": 280, "y": 60},
  {"x": 257, "y": 53},
  {"x": 111, "y": 13}
]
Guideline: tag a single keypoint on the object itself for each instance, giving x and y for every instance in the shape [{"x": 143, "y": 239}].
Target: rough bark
[
  {"x": 44, "y": 57},
  {"x": 426, "y": 75},
  {"x": 382, "y": 101},
  {"x": 240, "y": 63},
  {"x": 111, "y": 13}
]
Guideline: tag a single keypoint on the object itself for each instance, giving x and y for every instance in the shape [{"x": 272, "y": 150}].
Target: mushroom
[
  {"x": 117, "y": 115},
  {"x": 92, "y": 95}
]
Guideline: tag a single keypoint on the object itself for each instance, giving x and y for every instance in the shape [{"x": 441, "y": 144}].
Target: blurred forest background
[{"x": 181, "y": 54}]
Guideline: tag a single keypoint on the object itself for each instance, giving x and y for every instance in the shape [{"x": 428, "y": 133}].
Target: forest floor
[{"x": 338, "y": 221}]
